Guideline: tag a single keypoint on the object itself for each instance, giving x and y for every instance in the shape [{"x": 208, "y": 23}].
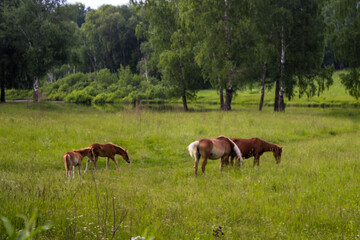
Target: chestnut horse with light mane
[
  {"x": 74, "y": 158},
  {"x": 221, "y": 147},
  {"x": 108, "y": 150},
  {"x": 255, "y": 147}
]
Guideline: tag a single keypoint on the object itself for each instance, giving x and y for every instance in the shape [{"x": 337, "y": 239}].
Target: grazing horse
[
  {"x": 255, "y": 147},
  {"x": 221, "y": 147},
  {"x": 107, "y": 150},
  {"x": 74, "y": 158}
]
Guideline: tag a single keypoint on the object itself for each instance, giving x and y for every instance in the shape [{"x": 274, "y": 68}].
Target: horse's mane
[
  {"x": 117, "y": 146},
  {"x": 236, "y": 148},
  {"x": 82, "y": 149}
]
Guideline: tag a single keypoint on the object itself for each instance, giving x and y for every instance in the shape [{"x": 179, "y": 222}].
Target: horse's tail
[
  {"x": 193, "y": 148},
  {"x": 66, "y": 162},
  {"x": 236, "y": 150}
]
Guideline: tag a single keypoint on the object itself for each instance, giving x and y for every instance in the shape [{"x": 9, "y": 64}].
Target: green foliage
[
  {"x": 15, "y": 94},
  {"x": 111, "y": 40},
  {"x": 351, "y": 81},
  {"x": 105, "y": 87},
  {"x": 79, "y": 96},
  {"x": 29, "y": 231}
]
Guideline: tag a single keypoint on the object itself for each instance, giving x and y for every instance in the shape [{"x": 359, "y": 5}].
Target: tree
[
  {"x": 345, "y": 40},
  {"x": 171, "y": 48},
  {"x": 46, "y": 33},
  {"x": 225, "y": 35},
  {"x": 12, "y": 48},
  {"x": 110, "y": 37},
  {"x": 293, "y": 32}
]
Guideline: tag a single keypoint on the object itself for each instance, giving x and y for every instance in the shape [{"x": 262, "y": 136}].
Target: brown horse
[
  {"x": 74, "y": 158},
  {"x": 255, "y": 147},
  {"x": 221, "y": 147},
  {"x": 107, "y": 150}
]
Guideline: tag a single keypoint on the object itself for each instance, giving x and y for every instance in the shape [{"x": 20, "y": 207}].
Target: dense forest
[{"x": 162, "y": 49}]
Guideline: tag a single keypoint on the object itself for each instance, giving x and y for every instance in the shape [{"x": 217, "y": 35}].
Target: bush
[
  {"x": 105, "y": 87},
  {"x": 17, "y": 94},
  {"x": 79, "y": 97},
  {"x": 101, "y": 98}
]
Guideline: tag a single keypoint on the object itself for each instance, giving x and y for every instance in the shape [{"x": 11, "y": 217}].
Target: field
[{"x": 312, "y": 194}]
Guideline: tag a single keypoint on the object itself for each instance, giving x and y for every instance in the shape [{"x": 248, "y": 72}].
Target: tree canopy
[{"x": 185, "y": 45}]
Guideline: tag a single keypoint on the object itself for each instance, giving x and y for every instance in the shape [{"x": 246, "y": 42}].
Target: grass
[
  {"x": 312, "y": 194},
  {"x": 336, "y": 95}
]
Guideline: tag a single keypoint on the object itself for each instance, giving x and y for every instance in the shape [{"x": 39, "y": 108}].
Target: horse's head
[
  {"x": 125, "y": 155},
  {"x": 277, "y": 154}
]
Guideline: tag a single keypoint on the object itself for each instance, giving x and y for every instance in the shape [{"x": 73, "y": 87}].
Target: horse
[
  {"x": 74, "y": 158},
  {"x": 221, "y": 147},
  {"x": 107, "y": 150},
  {"x": 255, "y": 147}
]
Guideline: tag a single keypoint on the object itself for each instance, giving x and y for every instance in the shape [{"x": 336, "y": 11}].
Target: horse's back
[
  {"x": 72, "y": 158},
  {"x": 246, "y": 146},
  {"x": 214, "y": 148},
  {"x": 103, "y": 150}
]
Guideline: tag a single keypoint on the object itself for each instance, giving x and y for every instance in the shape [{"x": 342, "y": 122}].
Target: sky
[{"x": 95, "y": 4}]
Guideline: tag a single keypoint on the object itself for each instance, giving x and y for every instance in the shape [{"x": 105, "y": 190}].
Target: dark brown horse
[
  {"x": 74, "y": 158},
  {"x": 108, "y": 150},
  {"x": 255, "y": 147},
  {"x": 221, "y": 147}
]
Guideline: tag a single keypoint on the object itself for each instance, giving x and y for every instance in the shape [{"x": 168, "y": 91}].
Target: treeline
[{"x": 173, "y": 48}]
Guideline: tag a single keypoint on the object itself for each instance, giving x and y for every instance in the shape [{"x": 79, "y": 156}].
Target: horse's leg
[
  {"x": 73, "y": 170},
  {"x": 107, "y": 162},
  {"x": 197, "y": 158},
  {"x": 87, "y": 164},
  {"x": 204, "y": 164},
  {"x": 86, "y": 167},
  {"x": 95, "y": 161},
  {"x": 226, "y": 161},
  {"x": 256, "y": 160},
  {"x": 116, "y": 163},
  {"x": 222, "y": 163}
]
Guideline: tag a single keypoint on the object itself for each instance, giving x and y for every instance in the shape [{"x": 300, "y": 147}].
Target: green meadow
[
  {"x": 335, "y": 95},
  {"x": 312, "y": 194}
]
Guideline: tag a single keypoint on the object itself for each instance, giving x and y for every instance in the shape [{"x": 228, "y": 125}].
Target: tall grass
[{"x": 313, "y": 193}]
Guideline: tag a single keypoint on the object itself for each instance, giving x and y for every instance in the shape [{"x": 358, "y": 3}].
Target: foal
[
  {"x": 107, "y": 150},
  {"x": 255, "y": 147},
  {"x": 74, "y": 158},
  {"x": 221, "y": 147}
]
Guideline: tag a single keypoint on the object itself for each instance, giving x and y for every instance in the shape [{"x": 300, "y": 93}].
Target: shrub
[
  {"x": 101, "y": 98},
  {"x": 79, "y": 96}
]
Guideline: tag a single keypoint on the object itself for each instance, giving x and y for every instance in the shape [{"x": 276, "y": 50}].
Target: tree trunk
[
  {"x": 2, "y": 91},
  {"x": 228, "y": 99},
  {"x": 277, "y": 90},
  {"x": 279, "y": 104},
  {"x": 263, "y": 88},
  {"x": 36, "y": 89},
  {"x": 281, "y": 100},
  {"x": 221, "y": 98},
  {"x": 185, "y": 103}
]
